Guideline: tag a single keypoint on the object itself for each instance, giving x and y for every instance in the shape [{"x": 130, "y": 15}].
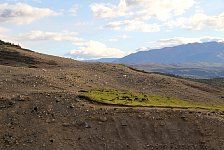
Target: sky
[{"x": 92, "y": 29}]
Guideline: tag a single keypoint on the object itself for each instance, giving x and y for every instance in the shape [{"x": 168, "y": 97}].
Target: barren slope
[{"x": 39, "y": 107}]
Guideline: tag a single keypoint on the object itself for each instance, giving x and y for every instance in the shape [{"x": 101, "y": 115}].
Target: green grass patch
[{"x": 114, "y": 97}]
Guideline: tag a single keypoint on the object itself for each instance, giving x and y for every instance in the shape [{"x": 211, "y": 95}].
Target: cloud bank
[
  {"x": 21, "y": 13},
  {"x": 95, "y": 50}
]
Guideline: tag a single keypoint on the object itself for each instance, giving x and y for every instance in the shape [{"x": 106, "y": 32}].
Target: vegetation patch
[{"x": 114, "y": 97}]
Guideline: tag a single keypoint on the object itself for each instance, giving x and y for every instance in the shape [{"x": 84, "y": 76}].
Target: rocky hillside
[{"x": 41, "y": 108}]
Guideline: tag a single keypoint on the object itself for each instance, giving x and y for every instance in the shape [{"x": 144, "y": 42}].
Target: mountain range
[
  {"x": 197, "y": 60},
  {"x": 209, "y": 52}
]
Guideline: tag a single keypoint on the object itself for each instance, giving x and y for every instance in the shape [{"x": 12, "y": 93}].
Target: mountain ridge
[{"x": 211, "y": 52}]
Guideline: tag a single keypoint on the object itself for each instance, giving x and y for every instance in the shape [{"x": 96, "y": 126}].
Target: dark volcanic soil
[
  {"x": 63, "y": 121},
  {"x": 40, "y": 108}
]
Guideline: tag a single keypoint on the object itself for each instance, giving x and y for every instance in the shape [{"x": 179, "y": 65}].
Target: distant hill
[
  {"x": 198, "y": 60},
  {"x": 210, "y": 52}
]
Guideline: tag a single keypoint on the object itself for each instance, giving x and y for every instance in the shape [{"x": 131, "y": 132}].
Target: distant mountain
[
  {"x": 104, "y": 60},
  {"x": 210, "y": 52},
  {"x": 197, "y": 60}
]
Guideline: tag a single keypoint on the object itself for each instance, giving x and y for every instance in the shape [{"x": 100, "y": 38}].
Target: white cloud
[
  {"x": 181, "y": 40},
  {"x": 143, "y": 48},
  {"x": 39, "y": 1},
  {"x": 133, "y": 25},
  {"x": 144, "y": 9},
  {"x": 43, "y": 36},
  {"x": 21, "y": 13},
  {"x": 85, "y": 50},
  {"x": 109, "y": 10},
  {"x": 134, "y": 15},
  {"x": 73, "y": 10},
  {"x": 3, "y": 30},
  {"x": 117, "y": 38},
  {"x": 159, "y": 9},
  {"x": 200, "y": 21},
  {"x": 94, "y": 50}
]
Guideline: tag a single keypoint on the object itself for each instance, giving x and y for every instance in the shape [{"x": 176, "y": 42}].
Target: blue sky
[{"x": 93, "y": 29}]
